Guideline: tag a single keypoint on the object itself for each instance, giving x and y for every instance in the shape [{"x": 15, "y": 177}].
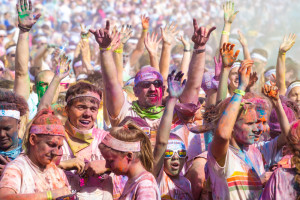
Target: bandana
[
  {"x": 175, "y": 145},
  {"x": 147, "y": 73},
  {"x": 13, "y": 153},
  {"x": 154, "y": 112},
  {"x": 120, "y": 145},
  {"x": 78, "y": 139},
  {"x": 48, "y": 129},
  {"x": 10, "y": 113},
  {"x": 40, "y": 89},
  {"x": 87, "y": 94}
]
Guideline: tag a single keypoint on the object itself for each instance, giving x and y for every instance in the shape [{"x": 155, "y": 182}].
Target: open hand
[
  {"x": 228, "y": 56},
  {"x": 105, "y": 39},
  {"x": 63, "y": 67},
  {"x": 26, "y": 17},
  {"x": 169, "y": 33},
  {"x": 126, "y": 33},
  {"x": 145, "y": 22},
  {"x": 71, "y": 164},
  {"x": 151, "y": 43},
  {"x": 85, "y": 34},
  {"x": 242, "y": 39},
  {"x": 229, "y": 14},
  {"x": 271, "y": 91},
  {"x": 201, "y": 35},
  {"x": 175, "y": 87},
  {"x": 244, "y": 73},
  {"x": 287, "y": 43},
  {"x": 185, "y": 42}
]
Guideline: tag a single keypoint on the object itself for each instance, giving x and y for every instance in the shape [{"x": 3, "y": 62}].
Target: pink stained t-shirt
[
  {"x": 174, "y": 189},
  {"x": 280, "y": 185},
  {"x": 141, "y": 188},
  {"x": 24, "y": 177}
]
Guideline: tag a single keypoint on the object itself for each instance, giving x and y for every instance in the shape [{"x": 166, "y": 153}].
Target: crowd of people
[{"x": 137, "y": 100}]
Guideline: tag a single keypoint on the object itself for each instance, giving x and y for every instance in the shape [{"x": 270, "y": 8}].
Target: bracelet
[
  {"x": 49, "y": 195},
  {"x": 145, "y": 30},
  {"x": 118, "y": 51},
  {"x": 24, "y": 29},
  {"x": 197, "y": 51},
  {"x": 240, "y": 92},
  {"x": 105, "y": 49},
  {"x": 282, "y": 53},
  {"x": 225, "y": 33},
  {"x": 186, "y": 50}
]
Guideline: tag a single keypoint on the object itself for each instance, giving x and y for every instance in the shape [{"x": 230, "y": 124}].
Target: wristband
[
  {"x": 105, "y": 49},
  {"x": 197, "y": 51},
  {"x": 24, "y": 29},
  {"x": 49, "y": 195},
  {"x": 240, "y": 92},
  {"x": 186, "y": 50},
  {"x": 145, "y": 30},
  {"x": 282, "y": 53},
  {"x": 118, "y": 51},
  {"x": 225, "y": 33}
]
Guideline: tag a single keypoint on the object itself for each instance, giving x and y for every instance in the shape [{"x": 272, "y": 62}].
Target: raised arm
[
  {"x": 223, "y": 133},
  {"x": 272, "y": 92},
  {"x": 139, "y": 50},
  {"x": 168, "y": 35},
  {"x": 26, "y": 19},
  {"x": 286, "y": 45},
  {"x": 126, "y": 33},
  {"x": 175, "y": 89},
  {"x": 62, "y": 70},
  {"x": 229, "y": 16},
  {"x": 228, "y": 58},
  {"x": 151, "y": 43},
  {"x": 197, "y": 64},
  {"x": 244, "y": 44},
  {"x": 113, "y": 90},
  {"x": 184, "y": 66}
]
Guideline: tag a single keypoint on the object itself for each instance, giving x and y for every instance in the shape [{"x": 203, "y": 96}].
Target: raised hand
[
  {"x": 201, "y": 35},
  {"x": 151, "y": 43},
  {"x": 185, "y": 43},
  {"x": 126, "y": 33},
  {"x": 175, "y": 87},
  {"x": 228, "y": 56},
  {"x": 145, "y": 22},
  {"x": 169, "y": 33},
  {"x": 271, "y": 91},
  {"x": 229, "y": 14},
  {"x": 85, "y": 34},
  {"x": 218, "y": 67},
  {"x": 244, "y": 73},
  {"x": 63, "y": 67},
  {"x": 26, "y": 17},
  {"x": 253, "y": 78},
  {"x": 106, "y": 40},
  {"x": 242, "y": 39},
  {"x": 287, "y": 43}
]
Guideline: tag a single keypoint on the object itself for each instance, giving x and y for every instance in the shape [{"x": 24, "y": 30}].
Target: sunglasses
[
  {"x": 170, "y": 153},
  {"x": 65, "y": 85},
  {"x": 12, "y": 55},
  {"x": 147, "y": 84}
]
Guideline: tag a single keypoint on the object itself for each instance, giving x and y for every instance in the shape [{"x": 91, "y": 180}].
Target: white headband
[
  {"x": 78, "y": 63},
  {"x": 258, "y": 56},
  {"x": 174, "y": 56},
  {"x": 10, "y": 113},
  {"x": 235, "y": 64},
  {"x": 133, "y": 41},
  {"x": 3, "y": 32},
  {"x": 11, "y": 49},
  {"x": 120, "y": 145},
  {"x": 270, "y": 72},
  {"x": 295, "y": 84},
  {"x": 87, "y": 94}
]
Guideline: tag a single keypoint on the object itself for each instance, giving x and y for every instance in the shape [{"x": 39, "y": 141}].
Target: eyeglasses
[
  {"x": 170, "y": 153},
  {"x": 12, "y": 55},
  {"x": 147, "y": 84}
]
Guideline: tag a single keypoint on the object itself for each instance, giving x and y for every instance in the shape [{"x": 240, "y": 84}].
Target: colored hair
[
  {"x": 12, "y": 101},
  {"x": 132, "y": 133},
  {"x": 80, "y": 88}
]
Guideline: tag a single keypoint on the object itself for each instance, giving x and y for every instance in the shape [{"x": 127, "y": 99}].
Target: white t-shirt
[
  {"x": 236, "y": 180},
  {"x": 24, "y": 177}
]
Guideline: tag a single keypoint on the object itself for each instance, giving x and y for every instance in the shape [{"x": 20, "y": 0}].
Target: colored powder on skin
[{"x": 41, "y": 88}]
